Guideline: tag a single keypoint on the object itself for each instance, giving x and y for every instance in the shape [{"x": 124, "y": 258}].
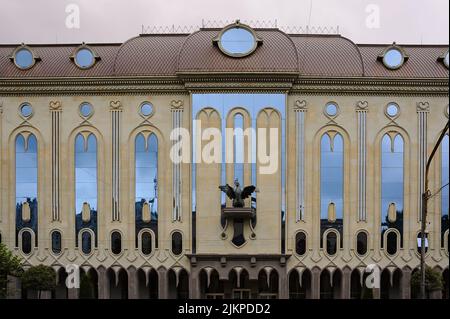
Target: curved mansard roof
[{"x": 172, "y": 54}]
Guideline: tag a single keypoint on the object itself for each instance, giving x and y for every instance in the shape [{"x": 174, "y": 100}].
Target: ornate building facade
[{"x": 87, "y": 177}]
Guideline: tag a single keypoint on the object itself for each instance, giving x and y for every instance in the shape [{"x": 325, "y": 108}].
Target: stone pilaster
[{"x": 163, "y": 284}]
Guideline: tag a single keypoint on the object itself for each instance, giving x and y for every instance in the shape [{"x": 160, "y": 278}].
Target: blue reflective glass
[
  {"x": 331, "y": 175},
  {"x": 84, "y": 58},
  {"x": 56, "y": 242},
  {"x": 86, "y": 243},
  {"x": 393, "y": 58},
  {"x": 85, "y": 172},
  {"x": 238, "y": 151},
  {"x": 392, "y": 110},
  {"x": 86, "y": 109},
  {"x": 24, "y": 58},
  {"x": 146, "y": 165},
  {"x": 237, "y": 41},
  {"x": 445, "y": 190},
  {"x": 392, "y": 164},
  {"x": 26, "y": 110},
  {"x": 331, "y": 109},
  {"x": 146, "y": 109}
]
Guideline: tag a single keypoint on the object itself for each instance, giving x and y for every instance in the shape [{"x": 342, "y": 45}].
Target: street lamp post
[{"x": 425, "y": 197}]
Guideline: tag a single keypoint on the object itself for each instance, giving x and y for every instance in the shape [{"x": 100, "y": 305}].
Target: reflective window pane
[
  {"x": 238, "y": 151},
  {"x": 24, "y": 58},
  {"x": 393, "y": 58},
  {"x": 146, "y": 244},
  {"x": 146, "y": 109},
  {"x": 84, "y": 58},
  {"x": 86, "y": 109},
  {"x": 116, "y": 243},
  {"x": 86, "y": 243},
  {"x": 26, "y": 242},
  {"x": 391, "y": 243},
  {"x": 445, "y": 191},
  {"x": 177, "y": 243},
  {"x": 237, "y": 41},
  {"x": 300, "y": 243},
  {"x": 361, "y": 243},
  {"x": 56, "y": 242},
  {"x": 331, "y": 243},
  {"x": 26, "y": 110}
]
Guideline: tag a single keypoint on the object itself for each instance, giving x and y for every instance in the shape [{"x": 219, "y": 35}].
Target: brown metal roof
[{"x": 169, "y": 54}]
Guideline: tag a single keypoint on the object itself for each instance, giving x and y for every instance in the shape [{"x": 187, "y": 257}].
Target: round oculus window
[
  {"x": 331, "y": 109},
  {"x": 26, "y": 110},
  {"x": 84, "y": 58},
  {"x": 392, "y": 110},
  {"x": 146, "y": 109},
  {"x": 237, "y": 41},
  {"x": 86, "y": 109},
  {"x": 446, "y": 60},
  {"x": 24, "y": 58},
  {"x": 393, "y": 58}
]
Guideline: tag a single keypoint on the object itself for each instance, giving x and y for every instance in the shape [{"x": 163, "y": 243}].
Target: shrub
[
  {"x": 9, "y": 265},
  {"x": 39, "y": 278}
]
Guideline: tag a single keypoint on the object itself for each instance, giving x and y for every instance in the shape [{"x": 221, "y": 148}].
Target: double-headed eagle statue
[{"x": 237, "y": 194}]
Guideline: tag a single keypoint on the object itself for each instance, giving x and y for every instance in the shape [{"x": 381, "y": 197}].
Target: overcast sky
[{"x": 363, "y": 21}]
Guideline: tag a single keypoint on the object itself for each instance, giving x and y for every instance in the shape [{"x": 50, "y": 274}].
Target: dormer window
[
  {"x": 84, "y": 57},
  {"x": 445, "y": 59},
  {"x": 24, "y": 58},
  {"x": 237, "y": 40},
  {"x": 393, "y": 57}
]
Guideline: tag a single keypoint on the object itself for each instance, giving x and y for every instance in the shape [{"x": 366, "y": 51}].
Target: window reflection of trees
[
  {"x": 146, "y": 196},
  {"x": 392, "y": 185},
  {"x": 26, "y": 183},
  {"x": 445, "y": 190}
]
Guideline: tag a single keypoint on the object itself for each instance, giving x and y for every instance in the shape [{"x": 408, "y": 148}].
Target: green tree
[
  {"x": 39, "y": 278},
  {"x": 86, "y": 287},
  {"x": 9, "y": 265},
  {"x": 433, "y": 281}
]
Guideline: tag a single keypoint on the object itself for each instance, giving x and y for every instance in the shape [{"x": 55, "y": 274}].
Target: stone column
[
  {"x": 132, "y": 283},
  {"x": 13, "y": 288},
  {"x": 346, "y": 283},
  {"x": 194, "y": 285},
  {"x": 315, "y": 283},
  {"x": 163, "y": 284},
  {"x": 406, "y": 284},
  {"x": 103, "y": 283},
  {"x": 283, "y": 284}
]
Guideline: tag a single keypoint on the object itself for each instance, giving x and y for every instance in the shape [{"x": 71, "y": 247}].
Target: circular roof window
[
  {"x": 445, "y": 60},
  {"x": 23, "y": 58},
  {"x": 237, "y": 40},
  {"x": 84, "y": 58},
  {"x": 393, "y": 57}
]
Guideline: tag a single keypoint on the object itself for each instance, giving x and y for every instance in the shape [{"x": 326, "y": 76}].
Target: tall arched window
[
  {"x": 445, "y": 190},
  {"x": 361, "y": 243},
  {"x": 26, "y": 242},
  {"x": 146, "y": 243},
  {"x": 86, "y": 182},
  {"x": 56, "y": 242},
  {"x": 86, "y": 242},
  {"x": 177, "y": 243},
  {"x": 116, "y": 243},
  {"x": 331, "y": 182},
  {"x": 392, "y": 166},
  {"x": 331, "y": 243},
  {"x": 146, "y": 165},
  {"x": 300, "y": 243},
  {"x": 238, "y": 148},
  {"x": 26, "y": 183}
]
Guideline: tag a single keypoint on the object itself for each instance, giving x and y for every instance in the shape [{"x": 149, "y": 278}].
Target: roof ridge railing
[{"x": 257, "y": 24}]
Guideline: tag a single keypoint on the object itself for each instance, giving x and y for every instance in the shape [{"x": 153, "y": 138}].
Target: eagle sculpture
[{"x": 237, "y": 194}]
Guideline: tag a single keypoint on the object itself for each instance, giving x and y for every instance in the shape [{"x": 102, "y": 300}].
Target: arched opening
[
  {"x": 148, "y": 284},
  {"x": 268, "y": 284},
  {"x": 361, "y": 243},
  {"x": 88, "y": 284},
  {"x": 446, "y": 284},
  {"x": 86, "y": 242},
  {"x": 146, "y": 243},
  {"x": 60, "y": 291},
  {"x": 177, "y": 243},
  {"x": 56, "y": 242},
  {"x": 241, "y": 288},
  {"x": 212, "y": 289},
  {"x": 26, "y": 242},
  {"x": 391, "y": 243},
  {"x": 355, "y": 285},
  {"x": 331, "y": 243},
  {"x": 178, "y": 285},
  {"x": 326, "y": 288},
  {"x": 118, "y": 284},
  {"x": 300, "y": 289},
  {"x": 388, "y": 290},
  {"x": 116, "y": 243}
]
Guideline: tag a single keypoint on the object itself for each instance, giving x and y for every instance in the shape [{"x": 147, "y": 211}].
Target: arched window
[
  {"x": 331, "y": 182},
  {"x": 116, "y": 243},
  {"x": 177, "y": 243},
  {"x": 86, "y": 242},
  {"x": 445, "y": 191},
  {"x": 56, "y": 242},
  {"x": 86, "y": 182},
  {"x": 238, "y": 148},
  {"x": 146, "y": 200},
  {"x": 146, "y": 243},
  {"x": 391, "y": 245},
  {"x": 26, "y": 242},
  {"x": 361, "y": 243},
  {"x": 26, "y": 182},
  {"x": 300, "y": 243},
  {"x": 392, "y": 159},
  {"x": 331, "y": 243}
]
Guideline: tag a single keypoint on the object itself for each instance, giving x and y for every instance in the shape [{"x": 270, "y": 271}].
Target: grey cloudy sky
[{"x": 363, "y": 21}]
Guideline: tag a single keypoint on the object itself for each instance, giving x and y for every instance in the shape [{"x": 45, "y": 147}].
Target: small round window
[
  {"x": 84, "y": 58},
  {"x": 331, "y": 109},
  {"x": 86, "y": 110},
  {"x": 237, "y": 41},
  {"x": 392, "y": 110},
  {"x": 26, "y": 110},
  {"x": 393, "y": 58},
  {"x": 146, "y": 109},
  {"x": 446, "y": 60},
  {"x": 24, "y": 58}
]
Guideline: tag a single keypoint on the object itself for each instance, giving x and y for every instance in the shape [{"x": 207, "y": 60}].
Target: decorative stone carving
[
  {"x": 423, "y": 107},
  {"x": 115, "y": 105},
  {"x": 26, "y": 212},
  {"x": 362, "y": 105},
  {"x": 55, "y": 105},
  {"x": 300, "y": 105},
  {"x": 177, "y": 104},
  {"x": 86, "y": 213}
]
